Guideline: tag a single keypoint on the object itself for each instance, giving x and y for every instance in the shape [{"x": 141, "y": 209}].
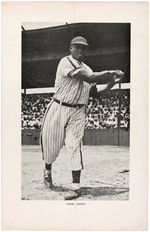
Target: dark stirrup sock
[
  {"x": 76, "y": 176},
  {"x": 48, "y": 166}
]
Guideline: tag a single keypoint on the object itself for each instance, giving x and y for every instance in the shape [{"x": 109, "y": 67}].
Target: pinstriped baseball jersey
[
  {"x": 71, "y": 90},
  {"x": 62, "y": 123}
]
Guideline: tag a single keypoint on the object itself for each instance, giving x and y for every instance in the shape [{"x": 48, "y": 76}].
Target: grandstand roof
[{"x": 43, "y": 48}]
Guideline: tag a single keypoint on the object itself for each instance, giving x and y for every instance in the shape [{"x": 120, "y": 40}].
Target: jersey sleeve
[
  {"x": 68, "y": 68},
  {"x": 84, "y": 71}
]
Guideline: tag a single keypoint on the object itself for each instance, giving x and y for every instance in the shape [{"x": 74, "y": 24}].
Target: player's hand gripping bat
[{"x": 118, "y": 76}]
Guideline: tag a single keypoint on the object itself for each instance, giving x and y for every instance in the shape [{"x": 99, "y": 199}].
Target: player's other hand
[
  {"x": 120, "y": 73},
  {"x": 118, "y": 76}
]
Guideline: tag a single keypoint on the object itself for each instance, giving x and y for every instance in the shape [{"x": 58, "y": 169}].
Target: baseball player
[{"x": 64, "y": 118}]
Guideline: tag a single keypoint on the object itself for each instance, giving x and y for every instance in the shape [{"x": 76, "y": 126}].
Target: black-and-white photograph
[
  {"x": 75, "y": 111},
  {"x": 74, "y": 115}
]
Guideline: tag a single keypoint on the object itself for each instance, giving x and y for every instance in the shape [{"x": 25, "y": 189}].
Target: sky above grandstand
[{"x": 39, "y": 25}]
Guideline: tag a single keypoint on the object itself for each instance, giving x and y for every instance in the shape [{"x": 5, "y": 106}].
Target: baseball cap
[{"x": 79, "y": 40}]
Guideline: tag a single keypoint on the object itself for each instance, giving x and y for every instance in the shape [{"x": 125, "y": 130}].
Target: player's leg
[
  {"x": 74, "y": 134},
  {"x": 48, "y": 175},
  {"x": 52, "y": 139},
  {"x": 76, "y": 176}
]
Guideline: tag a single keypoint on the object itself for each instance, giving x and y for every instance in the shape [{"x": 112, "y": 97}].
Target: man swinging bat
[{"x": 64, "y": 118}]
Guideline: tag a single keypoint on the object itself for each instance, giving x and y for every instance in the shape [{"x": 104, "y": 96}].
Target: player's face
[{"x": 78, "y": 51}]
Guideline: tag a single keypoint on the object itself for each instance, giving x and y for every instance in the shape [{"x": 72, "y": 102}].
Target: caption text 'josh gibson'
[{"x": 75, "y": 203}]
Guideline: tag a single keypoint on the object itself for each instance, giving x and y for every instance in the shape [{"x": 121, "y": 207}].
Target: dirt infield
[{"x": 105, "y": 175}]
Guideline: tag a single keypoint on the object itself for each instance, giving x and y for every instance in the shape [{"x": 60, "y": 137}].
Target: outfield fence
[{"x": 91, "y": 137}]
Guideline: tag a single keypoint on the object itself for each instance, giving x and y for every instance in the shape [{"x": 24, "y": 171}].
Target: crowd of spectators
[
  {"x": 33, "y": 109},
  {"x": 101, "y": 113}
]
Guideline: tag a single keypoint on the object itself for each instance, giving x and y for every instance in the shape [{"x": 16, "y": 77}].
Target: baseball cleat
[{"x": 72, "y": 195}]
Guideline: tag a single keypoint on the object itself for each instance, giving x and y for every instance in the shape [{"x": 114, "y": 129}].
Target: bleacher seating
[{"x": 101, "y": 113}]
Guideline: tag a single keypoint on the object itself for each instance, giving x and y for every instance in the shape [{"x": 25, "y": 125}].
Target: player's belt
[{"x": 67, "y": 104}]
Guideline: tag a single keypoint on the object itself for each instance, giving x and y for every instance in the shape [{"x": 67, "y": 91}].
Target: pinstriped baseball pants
[{"x": 63, "y": 124}]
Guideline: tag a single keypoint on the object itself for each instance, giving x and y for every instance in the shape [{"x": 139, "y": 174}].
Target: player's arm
[
  {"x": 116, "y": 79},
  {"x": 95, "y": 77},
  {"x": 96, "y": 91}
]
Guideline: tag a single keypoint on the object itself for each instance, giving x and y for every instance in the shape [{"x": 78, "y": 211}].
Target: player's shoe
[
  {"x": 72, "y": 194},
  {"x": 48, "y": 178}
]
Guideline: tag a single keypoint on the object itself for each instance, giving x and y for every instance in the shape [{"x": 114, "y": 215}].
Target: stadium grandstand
[{"x": 107, "y": 118}]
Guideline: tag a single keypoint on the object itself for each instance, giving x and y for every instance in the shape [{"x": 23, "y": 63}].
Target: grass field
[{"x": 105, "y": 176}]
